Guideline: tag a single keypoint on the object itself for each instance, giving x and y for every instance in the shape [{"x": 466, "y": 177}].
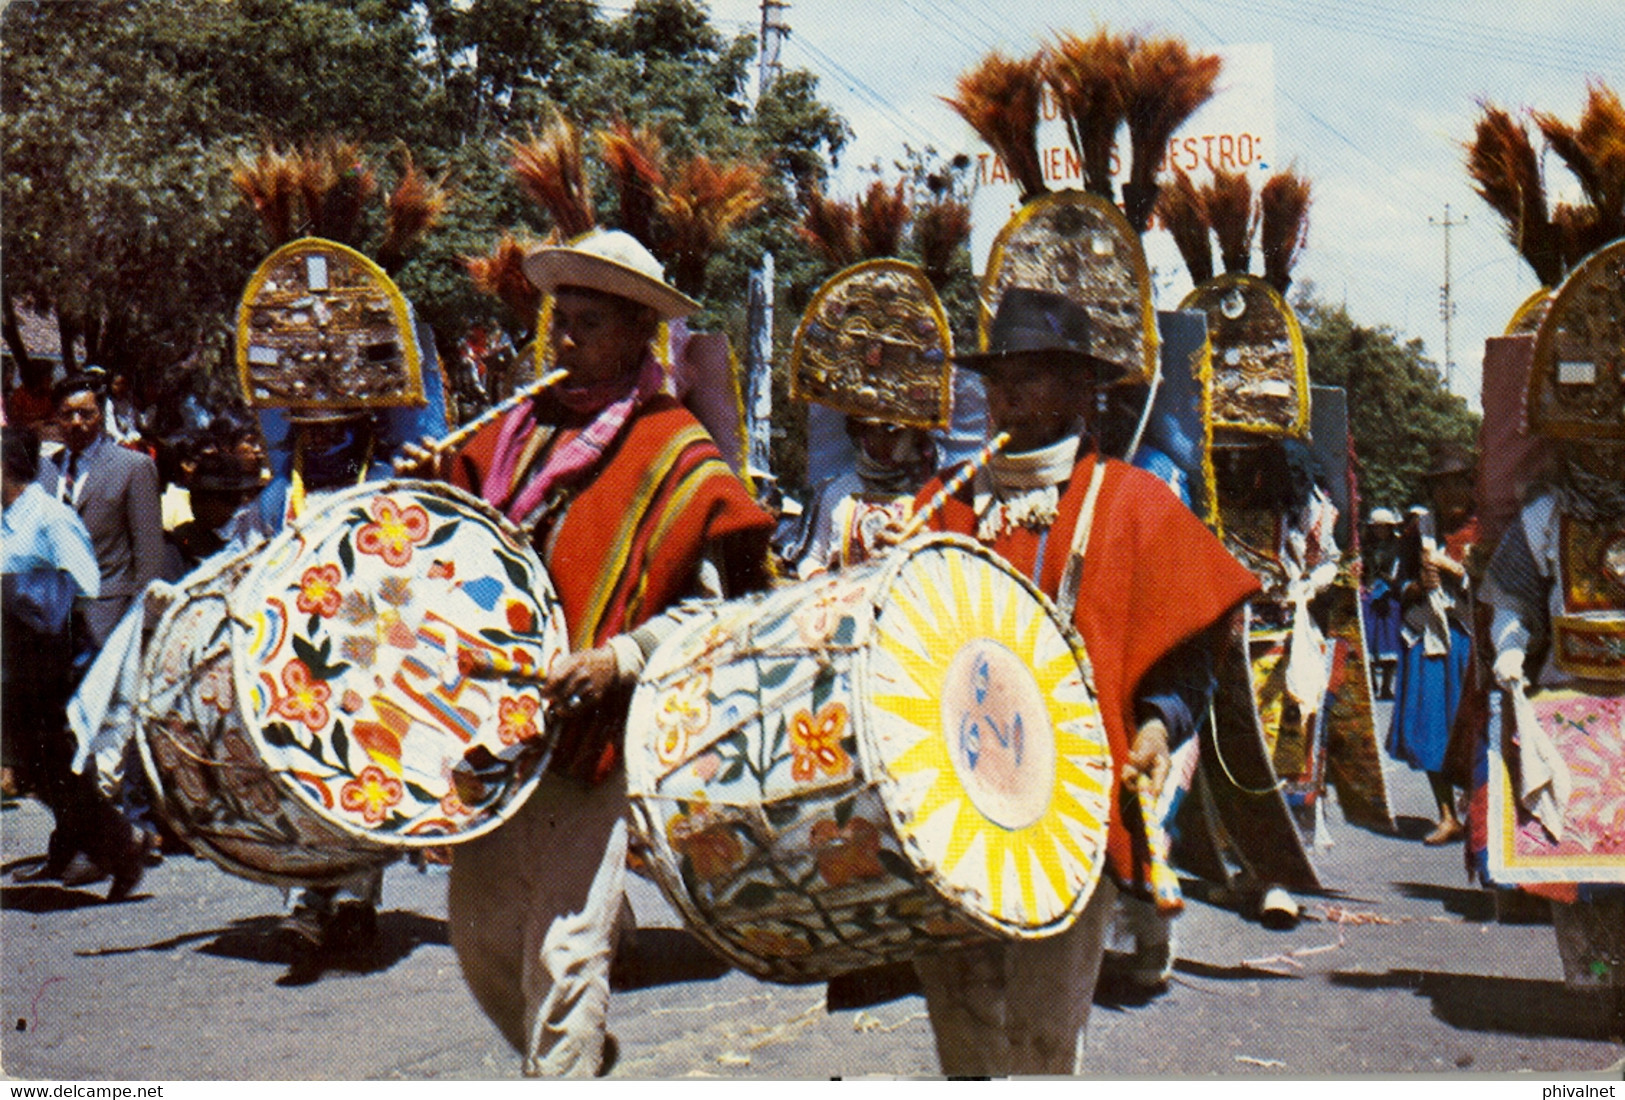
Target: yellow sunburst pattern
[{"x": 997, "y": 770}]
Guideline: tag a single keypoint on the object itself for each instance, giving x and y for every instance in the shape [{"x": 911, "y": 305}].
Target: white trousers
[
  {"x": 533, "y": 908},
  {"x": 1019, "y": 1006}
]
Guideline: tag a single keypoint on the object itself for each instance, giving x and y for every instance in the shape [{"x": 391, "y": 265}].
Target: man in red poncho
[
  {"x": 1153, "y": 600},
  {"x": 631, "y": 509}
]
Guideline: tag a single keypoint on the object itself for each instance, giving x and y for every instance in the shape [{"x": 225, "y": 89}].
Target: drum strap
[{"x": 1072, "y": 574}]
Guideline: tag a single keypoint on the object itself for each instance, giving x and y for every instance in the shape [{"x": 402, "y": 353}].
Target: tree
[{"x": 1399, "y": 409}]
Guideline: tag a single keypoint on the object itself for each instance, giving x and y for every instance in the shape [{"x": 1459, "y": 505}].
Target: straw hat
[{"x": 612, "y": 262}]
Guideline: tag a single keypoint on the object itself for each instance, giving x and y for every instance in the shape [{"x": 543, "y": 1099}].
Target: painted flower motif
[
  {"x": 393, "y": 532},
  {"x": 216, "y": 688},
  {"x": 683, "y": 712},
  {"x": 247, "y": 777},
  {"x": 371, "y": 794},
  {"x": 319, "y": 591},
  {"x": 176, "y": 752},
  {"x": 452, "y": 806},
  {"x": 707, "y": 766},
  {"x": 847, "y": 852},
  {"x": 359, "y": 649},
  {"x": 710, "y": 843},
  {"x": 834, "y": 601},
  {"x": 815, "y": 743},
  {"x": 517, "y": 719},
  {"x": 395, "y": 590},
  {"x": 773, "y": 944},
  {"x": 306, "y": 699},
  {"x": 520, "y": 618}
]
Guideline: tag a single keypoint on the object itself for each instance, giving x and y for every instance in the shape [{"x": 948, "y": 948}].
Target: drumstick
[
  {"x": 466, "y": 432},
  {"x": 478, "y": 665},
  {"x": 953, "y": 485}
]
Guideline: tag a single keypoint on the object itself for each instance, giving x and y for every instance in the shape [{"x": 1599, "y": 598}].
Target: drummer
[
  {"x": 1156, "y": 600},
  {"x": 631, "y": 508}
]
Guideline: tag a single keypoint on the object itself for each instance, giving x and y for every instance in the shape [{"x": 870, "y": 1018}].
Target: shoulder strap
[{"x": 1072, "y": 574}]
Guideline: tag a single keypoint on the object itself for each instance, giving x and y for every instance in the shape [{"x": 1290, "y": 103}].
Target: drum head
[
  {"x": 985, "y": 739},
  {"x": 348, "y": 632}
]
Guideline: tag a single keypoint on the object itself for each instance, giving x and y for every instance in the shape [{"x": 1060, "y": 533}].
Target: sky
[{"x": 1373, "y": 100}]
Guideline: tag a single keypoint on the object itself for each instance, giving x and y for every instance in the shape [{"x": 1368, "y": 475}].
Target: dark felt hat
[
  {"x": 1039, "y": 324},
  {"x": 223, "y": 472},
  {"x": 1451, "y": 459}
]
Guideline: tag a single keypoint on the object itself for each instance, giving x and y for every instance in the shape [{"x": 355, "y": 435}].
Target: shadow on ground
[
  {"x": 663, "y": 956},
  {"x": 46, "y": 897},
  {"x": 1468, "y": 903},
  {"x": 1520, "y": 1006}
]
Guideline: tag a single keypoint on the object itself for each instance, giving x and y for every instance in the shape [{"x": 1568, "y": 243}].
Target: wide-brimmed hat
[
  {"x": 1383, "y": 515},
  {"x": 1451, "y": 459},
  {"x": 1039, "y": 324},
  {"x": 611, "y": 262}
]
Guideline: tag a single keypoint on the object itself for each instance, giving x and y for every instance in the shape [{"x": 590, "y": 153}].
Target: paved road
[{"x": 189, "y": 980}]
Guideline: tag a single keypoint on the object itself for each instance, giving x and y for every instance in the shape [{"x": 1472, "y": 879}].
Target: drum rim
[
  {"x": 292, "y": 533},
  {"x": 146, "y": 716}
]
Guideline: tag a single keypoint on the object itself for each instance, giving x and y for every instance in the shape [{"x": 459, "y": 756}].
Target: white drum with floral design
[
  {"x": 862, "y": 768},
  {"x": 212, "y": 786},
  {"x": 346, "y": 649}
]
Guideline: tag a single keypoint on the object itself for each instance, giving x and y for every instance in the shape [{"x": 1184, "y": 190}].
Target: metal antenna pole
[
  {"x": 774, "y": 32},
  {"x": 1447, "y": 304}
]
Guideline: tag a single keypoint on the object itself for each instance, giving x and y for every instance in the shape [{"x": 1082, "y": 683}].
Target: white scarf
[{"x": 1022, "y": 490}]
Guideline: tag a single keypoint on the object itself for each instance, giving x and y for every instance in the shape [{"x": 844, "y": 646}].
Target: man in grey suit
[{"x": 115, "y": 492}]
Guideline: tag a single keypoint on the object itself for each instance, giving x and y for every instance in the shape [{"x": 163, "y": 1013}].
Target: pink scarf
[{"x": 614, "y": 404}]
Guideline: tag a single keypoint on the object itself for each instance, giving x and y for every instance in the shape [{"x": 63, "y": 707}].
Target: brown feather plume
[
  {"x": 1229, "y": 202},
  {"x": 1090, "y": 78},
  {"x": 1594, "y": 150},
  {"x": 1000, "y": 98},
  {"x": 1505, "y": 169},
  {"x": 882, "y": 217},
  {"x": 552, "y": 175},
  {"x": 701, "y": 205},
  {"x": 500, "y": 273},
  {"x": 411, "y": 210},
  {"x": 941, "y": 226},
  {"x": 1165, "y": 87},
  {"x": 1183, "y": 210},
  {"x": 269, "y": 182},
  {"x": 1283, "y": 204},
  {"x": 829, "y": 226},
  {"x": 335, "y": 184},
  {"x": 634, "y": 157}
]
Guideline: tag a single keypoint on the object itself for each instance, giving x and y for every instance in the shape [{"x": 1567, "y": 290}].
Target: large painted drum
[
  {"x": 862, "y": 768},
  {"x": 211, "y": 784},
  {"x": 321, "y": 722}
]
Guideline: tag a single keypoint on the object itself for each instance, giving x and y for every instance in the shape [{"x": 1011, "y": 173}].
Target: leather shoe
[{"x": 82, "y": 872}]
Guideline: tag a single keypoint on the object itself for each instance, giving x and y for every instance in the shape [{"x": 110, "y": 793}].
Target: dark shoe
[
  {"x": 125, "y": 880},
  {"x": 82, "y": 872},
  {"x": 45, "y": 872},
  {"x": 152, "y": 849},
  {"x": 610, "y": 1055},
  {"x": 305, "y": 927},
  {"x": 352, "y": 928}
]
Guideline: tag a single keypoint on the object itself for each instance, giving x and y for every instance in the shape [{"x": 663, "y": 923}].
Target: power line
[{"x": 863, "y": 91}]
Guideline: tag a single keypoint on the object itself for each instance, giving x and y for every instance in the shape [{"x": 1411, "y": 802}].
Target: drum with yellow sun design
[{"x": 865, "y": 767}]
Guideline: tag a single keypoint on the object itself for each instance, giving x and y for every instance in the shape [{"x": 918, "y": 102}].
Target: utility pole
[
  {"x": 759, "y": 310},
  {"x": 774, "y": 32},
  {"x": 1447, "y": 304}
]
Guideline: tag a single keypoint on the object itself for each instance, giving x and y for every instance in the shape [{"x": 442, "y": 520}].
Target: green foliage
[
  {"x": 1399, "y": 409},
  {"x": 121, "y": 119}
]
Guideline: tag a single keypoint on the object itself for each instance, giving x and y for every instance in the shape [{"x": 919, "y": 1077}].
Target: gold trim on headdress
[
  {"x": 1080, "y": 245},
  {"x": 1577, "y": 384},
  {"x": 323, "y": 327},
  {"x": 1260, "y": 368},
  {"x": 875, "y": 343},
  {"x": 1530, "y": 313}
]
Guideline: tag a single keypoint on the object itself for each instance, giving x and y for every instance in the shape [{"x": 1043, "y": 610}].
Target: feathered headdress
[
  {"x": 1166, "y": 84},
  {"x": 1000, "y": 98},
  {"x": 1505, "y": 170},
  {"x": 1284, "y": 226},
  {"x": 1090, "y": 77},
  {"x": 1229, "y": 203},
  {"x": 1183, "y": 210},
  {"x": 411, "y": 210},
  {"x": 500, "y": 273},
  {"x": 882, "y": 216},
  {"x": 269, "y": 182},
  {"x": 702, "y": 204},
  {"x": 635, "y": 160},
  {"x": 335, "y": 184},
  {"x": 830, "y": 227},
  {"x": 552, "y": 175}
]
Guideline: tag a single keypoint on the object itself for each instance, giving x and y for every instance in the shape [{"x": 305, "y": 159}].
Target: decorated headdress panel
[
  {"x": 1260, "y": 368},
  {"x": 1577, "y": 386},
  {"x": 1530, "y": 313},
  {"x": 323, "y": 327},
  {"x": 1080, "y": 245},
  {"x": 875, "y": 343}
]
